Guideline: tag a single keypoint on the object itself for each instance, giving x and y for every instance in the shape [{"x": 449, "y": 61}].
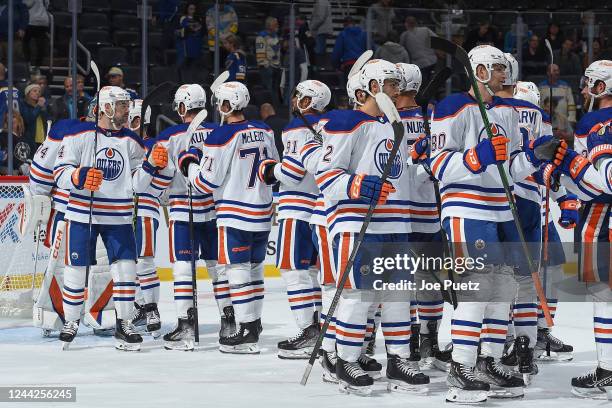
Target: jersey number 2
[{"x": 253, "y": 151}]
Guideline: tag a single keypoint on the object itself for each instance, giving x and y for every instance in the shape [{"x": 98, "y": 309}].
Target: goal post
[{"x": 19, "y": 282}]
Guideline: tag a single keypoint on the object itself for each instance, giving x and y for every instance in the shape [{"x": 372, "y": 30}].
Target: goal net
[{"x": 20, "y": 274}]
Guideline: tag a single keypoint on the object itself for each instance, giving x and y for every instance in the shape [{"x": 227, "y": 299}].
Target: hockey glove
[
  {"x": 573, "y": 165},
  {"x": 87, "y": 177},
  {"x": 599, "y": 143},
  {"x": 488, "y": 151},
  {"x": 418, "y": 150},
  {"x": 545, "y": 149},
  {"x": 157, "y": 159},
  {"x": 188, "y": 157},
  {"x": 265, "y": 171},
  {"x": 369, "y": 189},
  {"x": 548, "y": 176},
  {"x": 569, "y": 205}
]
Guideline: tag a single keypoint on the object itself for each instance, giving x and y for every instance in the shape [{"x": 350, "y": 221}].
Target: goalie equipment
[
  {"x": 36, "y": 211},
  {"x": 410, "y": 77},
  {"x": 377, "y": 70},
  {"x": 235, "y": 93},
  {"x": 512, "y": 70},
  {"x": 527, "y": 91},
  {"x": 319, "y": 94},
  {"x": 188, "y": 97}
]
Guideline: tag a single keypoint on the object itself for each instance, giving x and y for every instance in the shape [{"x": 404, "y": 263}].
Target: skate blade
[
  {"x": 104, "y": 332},
  {"x": 463, "y": 397},
  {"x": 242, "y": 349},
  {"x": 329, "y": 377},
  {"x": 441, "y": 365},
  {"x": 346, "y": 388},
  {"x": 179, "y": 345},
  {"x": 123, "y": 346},
  {"x": 506, "y": 393},
  {"x": 404, "y": 388},
  {"x": 554, "y": 356},
  {"x": 155, "y": 334},
  {"x": 376, "y": 375},
  {"x": 66, "y": 345},
  {"x": 301, "y": 354},
  {"x": 591, "y": 393}
]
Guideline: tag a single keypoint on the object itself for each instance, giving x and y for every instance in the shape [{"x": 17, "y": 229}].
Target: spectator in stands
[
  {"x": 18, "y": 129},
  {"x": 392, "y": 50},
  {"x": 235, "y": 62},
  {"x": 555, "y": 36},
  {"x": 267, "y": 49},
  {"x": 62, "y": 108},
  {"x": 301, "y": 69},
  {"x": 596, "y": 54},
  {"x": 165, "y": 13},
  {"x": 43, "y": 82},
  {"x": 35, "y": 40},
  {"x": 534, "y": 57},
  {"x": 228, "y": 22},
  {"x": 381, "y": 15},
  {"x": 20, "y": 24},
  {"x": 561, "y": 126},
  {"x": 268, "y": 115},
  {"x": 321, "y": 25},
  {"x": 33, "y": 109},
  {"x": 350, "y": 44},
  {"x": 3, "y": 73},
  {"x": 115, "y": 78},
  {"x": 189, "y": 37},
  {"x": 416, "y": 41},
  {"x": 485, "y": 33},
  {"x": 567, "y": 59},
  {"x": 563, "y": 97}
]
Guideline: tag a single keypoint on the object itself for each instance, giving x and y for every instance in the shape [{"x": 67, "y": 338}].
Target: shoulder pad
[
  {"x": 171, "y": 131},
  {"x": 347, "y": 121},
  {"x": 80, "y": 128},
  {"x": 125, "y": 132},
  {"x": 222, "y": 135},
  {"x": 452, "y": 104},
  {"x": 259, "y": 124},
  {"x": 61, "y": 128}
]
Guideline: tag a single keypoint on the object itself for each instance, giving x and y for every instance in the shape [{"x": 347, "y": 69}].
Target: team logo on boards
[
  {"x": 381, "y": 155},
  {"x": 111, "y": 162}
]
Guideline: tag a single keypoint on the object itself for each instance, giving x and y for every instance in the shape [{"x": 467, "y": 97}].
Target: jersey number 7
[{"x": 257, "y": 157}]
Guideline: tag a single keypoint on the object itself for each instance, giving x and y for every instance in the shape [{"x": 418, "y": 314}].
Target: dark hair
[
  {"x": 393, "y": 36},
  {"x": 189, "y": 3}
]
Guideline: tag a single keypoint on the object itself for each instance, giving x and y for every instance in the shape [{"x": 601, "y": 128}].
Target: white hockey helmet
[
  {"x": 527, "y": 91},
  {"x": 111, "y": 95},
  {"x": 512, "y": 69},
  {"x": 352, "y": 86},
  {"x": 377, "y": 70},
  {"x": 135, "y": 109},
  {"x": 319, "y": 94},
  {"x": 235, "y": 93},
  {"x": 599, "y": 71},
  {"x": 410, "y": 77},
  {"x": 191, "y": 96},
  {"x": 487, "y": 56}
]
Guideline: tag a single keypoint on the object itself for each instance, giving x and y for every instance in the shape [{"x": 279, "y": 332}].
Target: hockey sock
[
  {"x": 602, "y": 318},
  {"x": 494, "y": 329},
  {"x": 396, "y": 328},
  {"x": 329, "y": 341},
  {"x": 370, "y": 325},
  {"x": 242, "y": 292},
  {"x": 554, "y": 275},
  {"x": 413, "y": 312},
  {"x": 552, "y": 306},
  {"x": 73, "y": 292},
  {"x": 430, "y": 310},
  {"x": 183, "y": 288},
  {"x": 220, "y": 285},
  {"x": 525, "y": 316},
  {"x": 124, "y": 287},
  {"x": 316, "y": 288},
  {"x": 257, "y": 283},
  {"x": 465, "y": 331},
  {"x": 301, "y": 296},
  {"x": 351, "y": 318},
  {"x": 148, "y": 279}
]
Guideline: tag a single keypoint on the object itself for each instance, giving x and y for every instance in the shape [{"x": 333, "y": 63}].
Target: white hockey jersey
[
  {"x": 228, "y": 170},
  {"x": 174, "y": 139},
  {"x": 425, "y": 217},
  {"x": 457, "y": 126},
  {"x": 119, "y": 154},
  {"x": 357, "y": 143},
  {"x": 148, "y": 202},
  {"x": 41, "y": 172},
  {"x": 584, "y": 126}
]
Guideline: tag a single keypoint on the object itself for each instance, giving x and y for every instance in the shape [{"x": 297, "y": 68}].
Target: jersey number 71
[{"x": 257, "y": 157}]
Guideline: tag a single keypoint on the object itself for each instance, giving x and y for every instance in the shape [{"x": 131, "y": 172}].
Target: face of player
[
  {"x": 304, "y": 102},
  {"x": 122, "y": 110},
  {"x": 135, "y": 125},
  {"x": 597, "y": 89},
  {"x": 498, "y": 77},
  {"x": 391, "y": 88}
]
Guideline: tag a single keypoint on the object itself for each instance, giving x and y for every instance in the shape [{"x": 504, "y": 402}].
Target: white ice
[{"x": 154, "y": 377}]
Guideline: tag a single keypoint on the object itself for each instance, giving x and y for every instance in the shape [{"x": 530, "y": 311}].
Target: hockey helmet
[
  {"x": 319, "y": 94},
  {"x": 410, "y": 77}
]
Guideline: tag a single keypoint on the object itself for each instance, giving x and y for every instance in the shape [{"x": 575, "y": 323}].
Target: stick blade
[
  {"x": 306, "y": 374},
  {"x": 219, "y": 80},
  {"x": 195, "y": 123},
  {"x": 426, "y": 94},
  {"x": 96, "y": 71},
  {"x": 363, "y": 58},
  {"x": 385, "y": 104}
]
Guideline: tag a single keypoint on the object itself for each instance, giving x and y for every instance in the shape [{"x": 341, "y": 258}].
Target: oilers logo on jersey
[
  {"x": 381, "y": 154},
  {"x": 111, "y": 162},
  {"x": 496, "y": 130}
]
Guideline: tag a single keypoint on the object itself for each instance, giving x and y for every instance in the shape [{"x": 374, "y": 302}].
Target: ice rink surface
[{"x": 154, "y": 377}]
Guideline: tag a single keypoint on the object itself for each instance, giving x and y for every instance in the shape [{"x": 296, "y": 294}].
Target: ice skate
[
  {"x": 301, "y": 345},
  {"x": 550, "y": 348},
  {"x": 596, "y": 384},
  {"x": 431, "y": 355},
  {"x": 139, "y": 318},
  {"x": 153, "y": 319},
  {"x": 464, "y": 387},
  {"x": 68, "y": 333},
  {"x": 370, "y": 366},
  {"x": 371, "y": 348},
  {"x": 404, "y": 376},
  {"x": 228, "y": 322},
  {"x": 352, "y": 379},
  {"x": 244, "y": 341},
  {"x": 503, "y": 383},
  {"x": 328, "y": 365},
  {"x": 126, "y": 338},
  {"x": 524, "y": 356},
  {"x": 182, "y": 337}
]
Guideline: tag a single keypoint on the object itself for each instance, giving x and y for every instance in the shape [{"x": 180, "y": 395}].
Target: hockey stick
[
  {"x": 547, "y": 195},
  {"x": 461, "y": 55},
  {"x": 422, "y": 99},
  {"x": 360, "y": 62},
  {"x": 160, "y": 93},
  {"x": 386, "y": 106}
]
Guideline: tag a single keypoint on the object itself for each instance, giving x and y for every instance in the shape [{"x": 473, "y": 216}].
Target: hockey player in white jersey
[
  {"x": 425, "y": 220},
  {"x": 189, "y": 100},
  {"x": 110, "y": 162},
  {"x": 227, "y": 167},
  {"x": 298, "y": 191},
  {"x": 147, "y": 222},
  {"x": 355, "y": 146}
]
